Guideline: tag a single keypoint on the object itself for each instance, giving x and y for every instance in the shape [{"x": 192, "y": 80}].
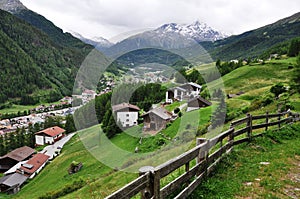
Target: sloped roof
[
  {"x": 122, "y": 106},
  {"x": 19, "y": 154},
  {"x": 13, "y": 179},
  {"x": 161, "y": 112},
  {"x": 35, "y": 162},
  {"x": 199, "y": 98},
  {"x": 177, "y": 88},
  {"x": 194, "y": 84},
  {"x": 52, "y": 131},
  {"x": 87, "y": 91}
]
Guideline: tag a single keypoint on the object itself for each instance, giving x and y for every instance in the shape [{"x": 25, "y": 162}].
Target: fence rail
[{"x": 207, "y": 154}]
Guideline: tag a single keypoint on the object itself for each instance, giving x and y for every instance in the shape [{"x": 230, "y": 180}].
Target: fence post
[
  {"x": 156, "y": 185},
  {"x": 202, "y": 154},
  {"x": 148, "y": 192},
  {"x": 249, "y": 125},
  {"x": 267, "y": 120},
  {"x": 279, "y": 118}
]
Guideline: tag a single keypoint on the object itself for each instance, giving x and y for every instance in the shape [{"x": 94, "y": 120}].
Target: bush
[
  {"x": 180, "y": 114},
  {"x": 176, "y": 110},
  {"x": 69, "y": 188},
  {"x": 202, "y": 129}
]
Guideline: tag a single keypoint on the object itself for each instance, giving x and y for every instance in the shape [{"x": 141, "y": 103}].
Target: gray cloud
[{"x": 109, "y": 18}]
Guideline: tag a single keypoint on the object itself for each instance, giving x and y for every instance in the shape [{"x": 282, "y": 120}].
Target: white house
[
  {"x": 127, "y": 114},
  {"x": 49, "y": 135},
  {"x": 183, "y": 92}
]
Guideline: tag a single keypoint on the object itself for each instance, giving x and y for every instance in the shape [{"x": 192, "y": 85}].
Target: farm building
[
  {"x": 197, "y": 103},
  {"x": 156, "y": 119},
  {"x": 12, "y": 183},
  {"x": 14, "y": 157}
]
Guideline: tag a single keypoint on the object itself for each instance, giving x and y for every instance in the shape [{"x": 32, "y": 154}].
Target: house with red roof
[
  {"x": 34, "y": 165},
  {"x": 49, "y": 135}
]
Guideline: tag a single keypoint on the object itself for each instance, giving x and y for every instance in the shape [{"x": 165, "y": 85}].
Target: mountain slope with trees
[
  {"x": 31, "y": 61},
  {"x": 253, "y": 43}
]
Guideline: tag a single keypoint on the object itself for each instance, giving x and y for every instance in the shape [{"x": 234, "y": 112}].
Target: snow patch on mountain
[{"x": 197, "y": 30}]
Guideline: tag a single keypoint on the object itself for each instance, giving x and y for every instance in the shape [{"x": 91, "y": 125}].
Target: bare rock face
[{"x": 12, "y": 6}]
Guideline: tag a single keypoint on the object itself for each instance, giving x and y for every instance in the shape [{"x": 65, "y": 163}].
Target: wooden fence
[{"x": 148, "y": 185}]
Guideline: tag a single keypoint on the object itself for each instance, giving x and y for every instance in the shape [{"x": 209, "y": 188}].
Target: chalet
[
  {"x": 183, "y": 92},
  {"x": 14, "y": 157},
  {"x": 156, "y": 119},
  {"x": 34, "y": 165},
  {"x": 49, "y": 135},
  {"x": 127, "y": 114},
  {"x": 197, "y": 103},
  {"x": 12, "y": 183}
]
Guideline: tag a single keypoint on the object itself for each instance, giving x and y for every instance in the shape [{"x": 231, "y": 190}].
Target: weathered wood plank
[
  {"x": 189, "y": 189},
  {"x": 237, "y": 142},
  {"x": 259, "y": 126},
  {"x": 181, "y": 160},
  {"x": 239, "y": 122},
  {"x": 257, "y": 117},
  {"x": 220, "y": 137},
  {"x": 132, "y": 188},
  {"x": 240, "y": 131},
  {"x": 218, "y": 153},
  {"x": 175, "y": 184},
  {"x": 274, "y": 123}
]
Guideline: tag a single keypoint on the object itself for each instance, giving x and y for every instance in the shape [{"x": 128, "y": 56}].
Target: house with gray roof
[
  {"x": 157, "y": 119},
  {"x": 197, "y": 103},
  {"x": 183, "y": 92},
  {"x": 12, "y": 183},
  {"x": 14, "y": 157}
]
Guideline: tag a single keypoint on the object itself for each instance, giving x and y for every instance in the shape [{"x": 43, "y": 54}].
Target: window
[
  {"x": 127, "y": 115},
  {"x": 127, "y": 120}
]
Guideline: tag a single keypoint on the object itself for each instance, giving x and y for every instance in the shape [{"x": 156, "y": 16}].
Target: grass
[
  {"x": 174, "y": 105},
  {"x": 55, "y": 176},
  {"x": 242, "y": 174},
  {"x": 102, "y": 180},
  {"x": 21, "y": 108}
]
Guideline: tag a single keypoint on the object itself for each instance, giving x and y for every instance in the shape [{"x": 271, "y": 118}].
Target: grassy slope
[
  {"x": 240, "y": 175},
  {"x": 55, "y": 174},
  {"x": 101, "y": 180}
]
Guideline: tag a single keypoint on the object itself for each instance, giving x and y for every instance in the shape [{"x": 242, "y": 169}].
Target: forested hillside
[
  {"x": 253, "y": 43},
  {"x": 48, "y": 66}
]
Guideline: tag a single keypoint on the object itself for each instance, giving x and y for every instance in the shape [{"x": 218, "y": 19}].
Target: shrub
[
  {"x": 180, "y": 114},
  {"x": 176, "y": 110}
]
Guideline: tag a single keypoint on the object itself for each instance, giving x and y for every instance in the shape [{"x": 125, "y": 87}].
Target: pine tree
[{"x": 70, "y": 125}]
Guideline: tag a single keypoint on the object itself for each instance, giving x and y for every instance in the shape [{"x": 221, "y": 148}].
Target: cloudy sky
[{"x": 110, "y": 18}]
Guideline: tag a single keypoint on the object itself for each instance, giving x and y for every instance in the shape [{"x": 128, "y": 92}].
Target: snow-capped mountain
[
  {"x": 198, "y": 31},
  {"x": 98, "y": 42},
  {"x": 167, "y": 36},
  {"x": 11, "y": 6}
]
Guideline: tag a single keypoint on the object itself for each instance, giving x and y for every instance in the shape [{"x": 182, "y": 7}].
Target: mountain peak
[
  {"x": 12, "y": 6},
  {"x": 99, "y": 42},
  {"x": 198, "y": 31}
]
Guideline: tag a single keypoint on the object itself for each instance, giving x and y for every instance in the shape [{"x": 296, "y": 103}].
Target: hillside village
[
  {"x": 25, "y": 163},
  {"x": 181, "y": 111}
]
